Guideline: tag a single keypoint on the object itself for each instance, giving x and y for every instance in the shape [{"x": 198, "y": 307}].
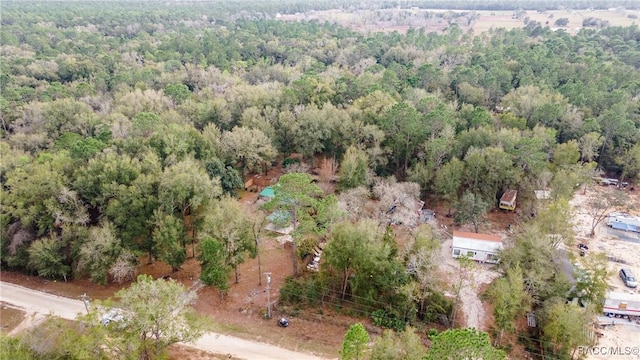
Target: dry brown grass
[{"x": 10, "y": 317}]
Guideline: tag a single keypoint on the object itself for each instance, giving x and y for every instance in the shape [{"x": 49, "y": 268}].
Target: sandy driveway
[
  {"x": 481, "y": 274},
  {"x": 36, "y": 302}
]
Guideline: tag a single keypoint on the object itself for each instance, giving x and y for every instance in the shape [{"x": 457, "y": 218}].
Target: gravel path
[
  {"x": 470, "y": 303},
  {"x": 37, "y": 302}
]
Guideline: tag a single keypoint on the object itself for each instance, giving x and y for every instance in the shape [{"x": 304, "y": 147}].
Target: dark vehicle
[
  {"x": 283, "y": 322},
  {"x": 583, "y": 249},
  {"x": 628, "y": 279}
]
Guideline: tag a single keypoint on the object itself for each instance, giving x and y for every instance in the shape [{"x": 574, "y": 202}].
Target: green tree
[
  {"x": 12, "y": 347},
  {"x": 422, "y": 259},
  {"x": 46, "y": 258},
  {"x": 366, "y": 267},
  {"x": 169, "y": 238},
  {"x": 561, "y": 22},
  {"x": 214, "y": 270},
  {"x": 230, "y": 180},
  {"x": 567, "y": 154},
  {"x": 555, "y": 221},
  {"x": 618, "y": 131},
  {"x": 454, "y": 344},
  {"x": 630, "y": 162},
  {"x": 99, "y": 252},
  {"x": 177, "y": 92},
  {"x": 353, "y": 169},
  {"x": 593, "y": 280},
  {"x": 348, "y": 248},
  {"x": 489, "y": 170},
  {"x": 249, "y": 149},
  {"x": 228, "y": 222},
  {"x": 510, "y": 299},
  {"x": 564, "y": 182},
  {"x": 31, "y": 195},
  {"x": 406, "y": 345},
  {"x": 449, "y": 179},
  {"x": 185, "y": 186},
  {"x": 131, "y": 210},
  {"x": 355, "y": 342},
  {"x": 589, "y": 145},
  {"x": 158, "y": 314},
  {"x": 406, "y": 131},
  {"x": 295, "y": 193},
  {"x": 471, "y": 209},
  {"x": 145, "y": 124},
  {"x": 564, "y": 328},
  {"x": 98, "y": 180},
  {"x": 312, "y": 132}
]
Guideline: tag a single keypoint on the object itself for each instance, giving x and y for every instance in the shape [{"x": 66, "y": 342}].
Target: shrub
[{"x": 385, "y": 319}]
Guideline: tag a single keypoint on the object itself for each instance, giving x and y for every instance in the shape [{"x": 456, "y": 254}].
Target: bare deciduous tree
[{"x": 600, "y": 204}]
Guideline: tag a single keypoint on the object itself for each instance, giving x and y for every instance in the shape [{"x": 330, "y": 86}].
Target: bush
[
  {"x": 437, "y": 305},
  {"x": 301, "y": 291},
  {"x": 562, "y": 22},
  {"x": 383, "y": 318},
  {"x": 432, "y": 332},
  {"x": 306, "y": 246},
  {"x": 290, "y": 161}
]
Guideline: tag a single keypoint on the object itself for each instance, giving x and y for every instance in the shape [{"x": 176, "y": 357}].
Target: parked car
[
  {"x": 583, "y": 249},
  {"x": 627, "y": 278},
  {"x": 283, "y": 322}
]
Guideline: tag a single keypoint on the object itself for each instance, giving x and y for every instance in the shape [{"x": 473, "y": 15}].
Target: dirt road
[{"x": 33, "y": 301}]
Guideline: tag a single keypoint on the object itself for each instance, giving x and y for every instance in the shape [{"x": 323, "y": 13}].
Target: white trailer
[
  {"x": 623, "y": 221},
  {"x": 621, "y": 304}
]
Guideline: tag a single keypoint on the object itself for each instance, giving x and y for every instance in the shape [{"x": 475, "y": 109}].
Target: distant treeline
[{"x": 252, "y": 8}]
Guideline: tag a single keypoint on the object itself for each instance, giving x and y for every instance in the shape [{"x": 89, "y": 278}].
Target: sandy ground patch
[{"x": 621, "y": 253}]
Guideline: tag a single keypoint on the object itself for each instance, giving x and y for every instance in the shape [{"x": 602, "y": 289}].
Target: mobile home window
[
  {"x": 456, "y": 252},
  {"x": 470, "y": 254}
]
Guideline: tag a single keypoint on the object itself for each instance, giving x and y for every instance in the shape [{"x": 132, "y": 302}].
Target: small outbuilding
[
  {"x": 508, "y": 200},
  {"x": 478, "y": 247}
]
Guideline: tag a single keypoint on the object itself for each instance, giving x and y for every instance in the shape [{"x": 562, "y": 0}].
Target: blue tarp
[
  {"x": 268, "y": 192},
  {"x": 280, "y": 217}
]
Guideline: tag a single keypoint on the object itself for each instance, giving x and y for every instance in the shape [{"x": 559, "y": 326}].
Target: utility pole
[
  {"x": 85, "y": 300},
  {"x": 268, "y": 275}
]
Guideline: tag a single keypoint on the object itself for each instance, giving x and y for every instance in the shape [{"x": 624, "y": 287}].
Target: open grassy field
[
  {"x": 388, "y": 20},
  {"x": 505, "y": 19}
]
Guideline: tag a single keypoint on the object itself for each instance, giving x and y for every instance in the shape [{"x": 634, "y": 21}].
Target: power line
[{"x": 366, "y": 313}]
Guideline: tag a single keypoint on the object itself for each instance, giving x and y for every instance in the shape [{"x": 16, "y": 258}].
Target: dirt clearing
[{"x": 621, "y": 253}]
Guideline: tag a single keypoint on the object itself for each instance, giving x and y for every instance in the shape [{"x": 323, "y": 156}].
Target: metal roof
[{"x": 473, "y": 241}]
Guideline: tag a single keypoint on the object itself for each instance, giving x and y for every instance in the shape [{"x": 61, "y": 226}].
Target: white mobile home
[
  {"x": 478, "y": 247},
  {"x": 621, "y": 304},
  {"x": 623, "y": 221}
]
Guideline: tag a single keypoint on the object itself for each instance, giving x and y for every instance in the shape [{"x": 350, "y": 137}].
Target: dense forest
[{"x": 128, "y": 127}]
